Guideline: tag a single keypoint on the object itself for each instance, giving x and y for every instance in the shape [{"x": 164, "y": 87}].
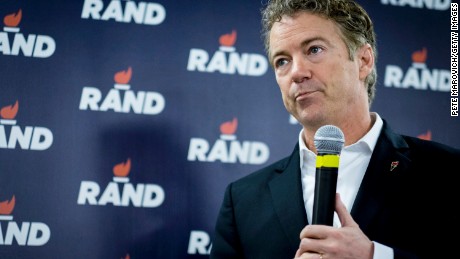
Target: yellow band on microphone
[{"x": 327, "y": 161}]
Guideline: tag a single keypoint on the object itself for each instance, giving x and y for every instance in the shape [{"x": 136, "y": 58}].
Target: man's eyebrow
[
  {"x": 303, "y": 44},
  {"x": 317, "y": 38}
]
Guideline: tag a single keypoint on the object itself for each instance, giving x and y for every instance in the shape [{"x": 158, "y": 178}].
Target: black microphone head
[{"x": 329, "y": 139}]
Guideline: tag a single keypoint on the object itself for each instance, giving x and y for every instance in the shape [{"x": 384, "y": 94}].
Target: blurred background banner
[{"x": 122, "y": 122}]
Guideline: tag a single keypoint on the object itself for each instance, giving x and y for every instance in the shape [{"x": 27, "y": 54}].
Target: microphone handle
[{"x": 324, "y": 199}]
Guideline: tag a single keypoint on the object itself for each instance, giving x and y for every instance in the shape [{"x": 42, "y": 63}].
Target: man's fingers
[
  {"x": 297, "y": 253},
  {"x": 314, "y": 231},
  {"x": 344, "y": 216}
]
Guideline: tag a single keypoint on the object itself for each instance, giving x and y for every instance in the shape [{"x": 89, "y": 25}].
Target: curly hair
[{"x": 353, "y": 21}]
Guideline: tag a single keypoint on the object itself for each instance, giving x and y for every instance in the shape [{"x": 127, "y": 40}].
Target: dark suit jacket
[{"x": 406, "y": 208}]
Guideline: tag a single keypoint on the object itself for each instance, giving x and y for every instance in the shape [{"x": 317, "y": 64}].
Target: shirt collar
[{"x": 369, "y": 140}]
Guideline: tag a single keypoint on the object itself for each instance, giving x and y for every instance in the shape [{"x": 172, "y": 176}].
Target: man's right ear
[{"x": 366, "y": 60}]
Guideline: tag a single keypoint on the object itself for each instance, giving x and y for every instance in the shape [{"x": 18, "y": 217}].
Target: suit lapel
[
  {"x": 286, "y": 191},
  {"x": 388, "y": 160}
]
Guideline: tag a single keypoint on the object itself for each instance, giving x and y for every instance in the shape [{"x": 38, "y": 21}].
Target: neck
[{"x": 353, "y": 130}]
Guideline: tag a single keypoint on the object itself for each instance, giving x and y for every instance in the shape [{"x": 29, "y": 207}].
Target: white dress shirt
[{"x": 353, "y": 163}]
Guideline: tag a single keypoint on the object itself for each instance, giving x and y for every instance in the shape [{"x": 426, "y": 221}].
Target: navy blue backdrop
[{"x": 122, "y": 122}]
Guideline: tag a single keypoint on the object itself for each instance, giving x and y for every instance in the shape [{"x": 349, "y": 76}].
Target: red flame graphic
[
  {"x": 393, "y": 165},
  {"x": 123, "y": 76},
  {"x": 122, "y": 169},
  {"x": 6, "y": 207},
  {"x": 419, "y": 56},
  {"x": 13, "y": 20},
  {"x": 228, "y": 39},
  {"x": 229, "y": 127},
  {"x": 126, "y": 257},
  {"x": 425, "y": 136},
  {"x": 10, "y": 111}
]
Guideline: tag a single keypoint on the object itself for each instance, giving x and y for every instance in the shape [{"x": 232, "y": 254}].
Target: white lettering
[
  {"x": 418, "y": 77},
  {"x": 132, "y": 194},
  {"x": 142, "y": 195},
  {"x": 148, "y": 103},
  {"x": 218, "y": 152},
  {"x": 259, "y": 153},
  {"x": 112, "y": 101},
  {"x": 393, "y": 76},
  {"x": 154, "y": 196},
  {"x": 197, "y": 60},
  {"x": 258, "y": 65},
  {"x": 90, "y": 98},
  {"x": 39, "y": 46},
  {"x": 88, "y": 193},
  {"x": 133, "y": 12},
  {"x": 218, "y": 63},
  {"x": 198, "y": 242},
  {"x": 111, "y": 195},
  {"x": 42, "y": 139},
  {"x": 13, "y": 231},
  {"x": 197, "y": 149},
  {"x": 113, "y": 11},
  {"x": 34, "y": 138},
  {"x": 411, "y": 79},
  {"x": 244, "y": 64},
  {"x": 44, "y": 46},
  {"x": 155, "y": 14},
  {"x": 91, "y": 8},
  {"x": 20, "y": 43},
  {"x": 154, "y": 103},
  {"x": 38, "y": 235},
  {"x": 231, "y": 152},
  {"x": 429, "y": 4},
  {"x": 143, "y": 13},
  {"x": 4, "y": 44},
  {"x": 17, "y": 136}
]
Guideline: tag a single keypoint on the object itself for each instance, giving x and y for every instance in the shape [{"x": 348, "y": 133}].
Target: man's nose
[{"x": 301, "y": 69}]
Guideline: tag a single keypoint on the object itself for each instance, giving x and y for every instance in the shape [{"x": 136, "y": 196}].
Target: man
[{"x": 323, "y": 53}]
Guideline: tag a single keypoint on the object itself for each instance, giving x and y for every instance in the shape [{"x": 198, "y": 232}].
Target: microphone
[{"x": 329, "y": 141}]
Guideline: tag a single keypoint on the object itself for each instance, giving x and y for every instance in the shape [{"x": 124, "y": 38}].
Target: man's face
[{"x": 318, "y": 82}]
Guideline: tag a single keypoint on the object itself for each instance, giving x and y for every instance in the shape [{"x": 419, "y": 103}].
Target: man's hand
[{"x": 326, "y": 242}]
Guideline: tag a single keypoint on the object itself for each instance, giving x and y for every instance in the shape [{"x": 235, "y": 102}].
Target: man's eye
[
  {"x": 315, "y": 50},
  {"x": 280, "y": 62}
]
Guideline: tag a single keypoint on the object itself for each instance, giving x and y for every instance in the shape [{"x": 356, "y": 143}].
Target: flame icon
[
  {"x": 229, "y": 127},
  {"x": 6, "y": 207},
  {"x": 425, "y": 136},
  {"x": 13, "y": 20},
  {"x": 228, "y": 40},
  {"x": 419, "y": 56},
  {"x": 126, "y": 257},
  {"x": 122, "y": 169},
  {"x": 9, "y": 112},
  {"x": 123, "y": 76},
  {"x": 393, "y": 165}
]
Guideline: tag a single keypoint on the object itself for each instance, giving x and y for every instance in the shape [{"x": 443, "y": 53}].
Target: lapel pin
[{"x": 394, "y": 164}]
